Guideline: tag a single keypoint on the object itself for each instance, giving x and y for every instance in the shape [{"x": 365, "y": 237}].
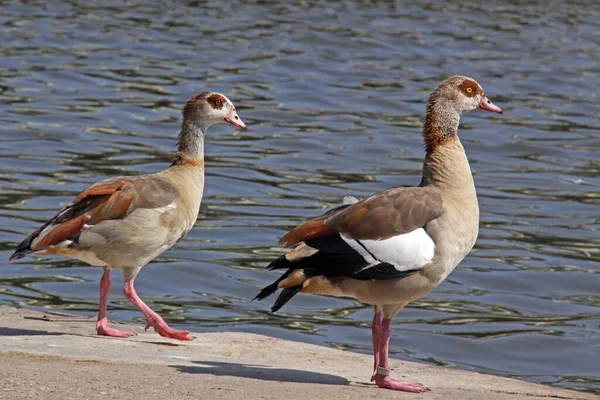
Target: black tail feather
[
  {"x": 267, "y": 291},
  {"x": 24, "y": 248},
  {"x": 279, "y": 263},
  {"x": 287, "y": 293},
  {"x": 272, "y": 288},
  {"x": 285, "y": 296},
  {"x": 20, "y": 253},
  {"x": 319, "y": 263}
]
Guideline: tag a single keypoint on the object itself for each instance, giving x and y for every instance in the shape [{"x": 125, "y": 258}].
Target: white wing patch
[
  {"x": 405, "y": 252},
  {"x": 350, "y": 200}
]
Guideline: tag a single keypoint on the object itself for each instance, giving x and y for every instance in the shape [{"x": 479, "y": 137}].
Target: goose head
[
  {"x": 210, "y": 108},
  {"x": 463, "y": 94}
]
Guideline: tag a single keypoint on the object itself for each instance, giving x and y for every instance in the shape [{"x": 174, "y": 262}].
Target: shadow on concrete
[
  {"x": 26, "y": 332},
  {"x": 260, "y": 372}
]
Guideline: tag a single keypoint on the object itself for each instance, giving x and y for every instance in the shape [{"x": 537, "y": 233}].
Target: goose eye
[
  {"x": 218, "y": 103},
  {"x": 469, "y": 90}
]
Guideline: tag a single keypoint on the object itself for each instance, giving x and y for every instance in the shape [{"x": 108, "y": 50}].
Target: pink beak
[
  {"x": 486, "y": 104},
  {"x": 234, "y": 119}
]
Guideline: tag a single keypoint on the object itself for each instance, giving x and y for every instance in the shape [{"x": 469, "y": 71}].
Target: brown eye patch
[
  {"x": 470, "y": 88},
  {"x": 216, "y": 101}
]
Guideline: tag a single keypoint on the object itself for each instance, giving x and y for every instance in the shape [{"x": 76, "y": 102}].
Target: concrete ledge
[{"x": 65, "y": 360}]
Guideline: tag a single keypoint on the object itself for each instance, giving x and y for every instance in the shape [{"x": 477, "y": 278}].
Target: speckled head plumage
[
  {"x": 209, "y": 108},
  {"x": 448, "y": 101},
  {"x": 462, "y": 94}
]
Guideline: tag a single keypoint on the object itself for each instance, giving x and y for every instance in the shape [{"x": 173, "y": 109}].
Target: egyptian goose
[
  {"x": 397, "y": 245},
  {"x": 126, "y": 222}
]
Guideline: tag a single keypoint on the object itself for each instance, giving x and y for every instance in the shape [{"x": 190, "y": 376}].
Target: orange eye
[
  {"x": 218, "y": 103},
  {"x": 469, "y": 90}
]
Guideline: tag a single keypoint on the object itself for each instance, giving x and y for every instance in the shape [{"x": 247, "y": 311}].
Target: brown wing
[
  {"x": 385, "y": 214},
  {"x": 109, "y": 199}
]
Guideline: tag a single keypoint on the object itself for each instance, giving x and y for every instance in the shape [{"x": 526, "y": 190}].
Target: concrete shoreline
[{"x": 45, "y": 359}]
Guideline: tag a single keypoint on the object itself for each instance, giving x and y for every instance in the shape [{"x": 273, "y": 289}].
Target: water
[{"x": 334, "y": 94}]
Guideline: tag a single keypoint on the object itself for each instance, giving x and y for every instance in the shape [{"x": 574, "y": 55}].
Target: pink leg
[
  {"x": 382, "y": 377},
  {"x": 154, "y": 319},
  {"x": 102, "y": 327},
  {"x": 375, "y": 334}
]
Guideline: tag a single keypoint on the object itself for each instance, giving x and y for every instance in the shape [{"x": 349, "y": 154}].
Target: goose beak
[
  {"x": 486, "y": 104},
  {"x": 233, "y": 119}
]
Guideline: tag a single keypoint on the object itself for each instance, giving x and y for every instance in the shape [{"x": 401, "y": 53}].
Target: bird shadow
[
  {"x": 26, "y": 332},
  {"x": 260, "y": 372}
]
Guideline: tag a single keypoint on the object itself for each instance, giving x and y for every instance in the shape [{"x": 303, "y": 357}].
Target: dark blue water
[{"x": 334, "y": 95}]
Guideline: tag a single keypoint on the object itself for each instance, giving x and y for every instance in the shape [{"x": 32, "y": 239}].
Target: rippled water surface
[{"x": 334, "y": 95}]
